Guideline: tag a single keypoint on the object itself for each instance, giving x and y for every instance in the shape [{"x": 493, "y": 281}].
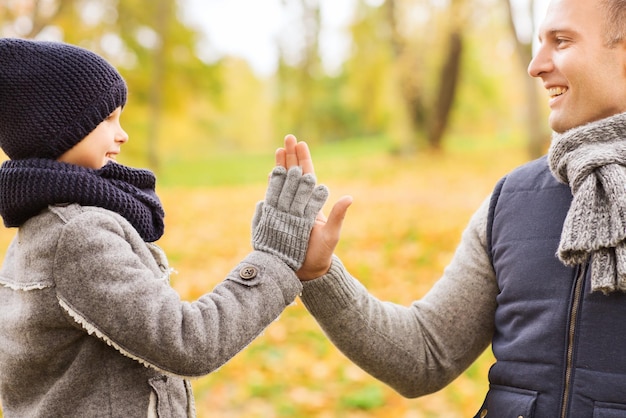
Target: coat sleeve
[
  {"x": 421, "y": 348},
  {"x": 108, "y": 289}
]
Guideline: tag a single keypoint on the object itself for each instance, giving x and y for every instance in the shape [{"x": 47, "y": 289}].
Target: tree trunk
[
  {"x": 428, "y": 118},
  {"x": 157, "y": 83},
  {"x": 537, "y": 137},
  {"x": 406, "y": 69},
  {"x": 448, "y": 83}
]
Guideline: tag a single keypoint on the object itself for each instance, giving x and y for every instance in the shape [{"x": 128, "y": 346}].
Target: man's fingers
[
  {"x": 336, "y": 216},
  {"x": 291, "y": 157},
  {"x": 304, "y": 158},
  {"x": 295, "y": 154},
  {"x": 281, "y": 157}
]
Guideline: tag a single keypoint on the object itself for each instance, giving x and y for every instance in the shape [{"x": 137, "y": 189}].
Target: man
[{"x": 540, "y": 272}]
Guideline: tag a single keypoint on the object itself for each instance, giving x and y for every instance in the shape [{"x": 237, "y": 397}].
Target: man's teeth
[{"x": 556, "y": 91}]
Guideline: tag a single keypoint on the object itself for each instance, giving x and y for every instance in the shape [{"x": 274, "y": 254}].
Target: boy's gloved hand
[{"x": 282, "y": 223}]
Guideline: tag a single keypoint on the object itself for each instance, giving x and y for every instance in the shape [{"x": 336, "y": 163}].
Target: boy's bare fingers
[
  {"x": 291, "y": 159},
  {"x": 304, "y": 158}
]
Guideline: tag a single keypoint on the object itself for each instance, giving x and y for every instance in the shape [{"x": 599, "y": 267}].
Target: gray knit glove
[{"x": 282, "y": 223}]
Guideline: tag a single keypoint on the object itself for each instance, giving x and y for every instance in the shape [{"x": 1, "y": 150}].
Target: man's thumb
[{"x": 337, "y": 215}]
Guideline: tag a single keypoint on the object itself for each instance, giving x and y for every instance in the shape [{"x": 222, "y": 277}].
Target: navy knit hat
[{"x": 52, "y": 95}]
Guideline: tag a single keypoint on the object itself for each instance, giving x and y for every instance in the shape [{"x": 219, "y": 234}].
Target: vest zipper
[{"x": 569, "y": 366}]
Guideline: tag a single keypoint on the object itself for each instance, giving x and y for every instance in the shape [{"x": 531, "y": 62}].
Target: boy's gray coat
[{"x": 91, "y": 327}]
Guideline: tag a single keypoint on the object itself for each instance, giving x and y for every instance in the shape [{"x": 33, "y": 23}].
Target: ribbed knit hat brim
[{"x": 52, "y": 95}]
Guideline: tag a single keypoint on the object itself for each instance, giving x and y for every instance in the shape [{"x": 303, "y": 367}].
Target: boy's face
[
  {"x": 585, "y": 78},
  {"x": 100, "y": 146}
]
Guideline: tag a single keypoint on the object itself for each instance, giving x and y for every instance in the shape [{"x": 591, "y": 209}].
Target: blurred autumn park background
[{"x": 428, "y": 107}]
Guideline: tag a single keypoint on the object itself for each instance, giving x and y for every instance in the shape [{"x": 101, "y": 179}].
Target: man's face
[{"x": 585, "y": 78}]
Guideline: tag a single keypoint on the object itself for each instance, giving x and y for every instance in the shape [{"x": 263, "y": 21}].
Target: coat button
[{"x": 248, "y": 273}]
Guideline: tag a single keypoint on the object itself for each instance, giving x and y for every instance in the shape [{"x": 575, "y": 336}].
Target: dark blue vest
[{"x": 560, "y": 350}]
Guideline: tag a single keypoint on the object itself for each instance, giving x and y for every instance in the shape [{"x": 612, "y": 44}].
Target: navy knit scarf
[{"x": 29, "y": 186}]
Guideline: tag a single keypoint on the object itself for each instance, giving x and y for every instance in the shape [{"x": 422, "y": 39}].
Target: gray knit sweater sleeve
[{"x": 421, "y": 348}]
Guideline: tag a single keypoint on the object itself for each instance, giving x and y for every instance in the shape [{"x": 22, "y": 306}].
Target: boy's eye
[{"x": 114, "y": 114}]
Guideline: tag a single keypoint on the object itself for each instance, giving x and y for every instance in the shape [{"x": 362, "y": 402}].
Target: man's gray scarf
[{"x": 591, "y": 159}]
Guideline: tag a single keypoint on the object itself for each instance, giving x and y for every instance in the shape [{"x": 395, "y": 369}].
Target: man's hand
[{"x": 326, "y": 231}]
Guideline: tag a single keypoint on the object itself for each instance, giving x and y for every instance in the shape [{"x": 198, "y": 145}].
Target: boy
[{"x": 90, "y": 325}]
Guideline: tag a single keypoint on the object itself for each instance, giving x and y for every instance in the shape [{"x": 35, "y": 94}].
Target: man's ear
[{"x": 621, "y": 47}]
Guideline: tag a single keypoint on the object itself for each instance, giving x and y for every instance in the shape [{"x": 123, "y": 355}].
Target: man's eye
[{"x": 561, "y": 41}]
